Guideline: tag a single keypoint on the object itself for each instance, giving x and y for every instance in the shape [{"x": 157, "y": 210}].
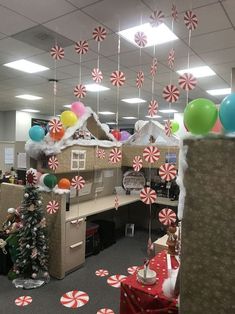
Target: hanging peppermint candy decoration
[
  {"x": 81, "y": 47},
  {"x": 140, "y": 79},
  {"x": 156, "y": 18},
  {"x": 77, "y": 182},
  {"x": 152, "y": 109},
  {"x": 105, "y": 311},
  {"x": 74, "y": 299},
  {"x": 167, "y": 172},
  {"x": 57, "y": 52},
  {"x": 115, "y": 155},
  {"x": 171, "y": 93},
  {"x": 171, "y": 58},
  {"x": 79, "y": 91},
  {"x": 53, "y": 163},
  {"x": 115, "y": 281},
  {"x": 31, "y": 177},
  {"x": 116, "y": 202},
  {"x": 100, "y": 153},
  {"x": 153, "y": 68},
  {"x": 137, "y": 163},
  {"x": 148, "y": 195},
  {"x": 99, "y": 33},
  {"x": 55, "y": 125},
  {"x": 187, "y": 81},
  {"x": 140, "y": 39},
  {"x": 174, "y": 12},
  {"x": 101, "y": 273},
  {"x": 52, "y": 207},
  {"x": 117, "y": 78},
  {"x": 167, "y": 216},
  {"x": 97, "y": 75},
  {"x": 168, "y": 128},
  {"x": 190, "y": 20},
  {"x": 151, "y": 154},
  {"x": 23, "y": 300}
]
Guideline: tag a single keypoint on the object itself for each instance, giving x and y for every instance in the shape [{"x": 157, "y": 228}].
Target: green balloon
[
  {"x": 200, "y": 116},
  {"x": 50, "y": 181},
  {"x": 174, "y": 126}
]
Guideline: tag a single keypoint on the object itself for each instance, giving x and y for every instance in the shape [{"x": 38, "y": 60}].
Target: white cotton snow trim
[
  {"x": 56, "y": 190},
  {"x": 180, "y": 179},
  {"x": 168, "y": 286}
]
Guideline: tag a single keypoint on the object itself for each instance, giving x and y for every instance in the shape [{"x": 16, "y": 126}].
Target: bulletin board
[{"x": 7, "y": 155}]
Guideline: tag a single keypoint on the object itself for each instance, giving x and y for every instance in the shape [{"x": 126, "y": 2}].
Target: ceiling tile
[
  {"x": 17, "y": 49},
  {"x": 131, "y": 59},
  {"x": 83, "y": 3},
  {"x": 46, "y": 60},
  {"x": 230, "y": 9},
  {"x": 72, "y": 55}
]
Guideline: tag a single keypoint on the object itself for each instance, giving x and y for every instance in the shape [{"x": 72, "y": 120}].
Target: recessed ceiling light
[
  {"x": 106, "y": 113},
  {"x": 202, "y": 71},
  {"x": 168, "y": 111},
  {"x": 95, "y": 88},
  {"x": 26, "y": 66},
  {"x": 67, "y": 106},
  {"x": 220, "y": 91},
  {"x": 30, "y": 110},
  {"x": 111, "y": 123},
  {"x": 134, "y": 100},
  {"x": 154, "y": 117},
  {"x": 155, "y": 35},
  {"x": 28, "y": 97},
  {"x": 129, "y": 118}
]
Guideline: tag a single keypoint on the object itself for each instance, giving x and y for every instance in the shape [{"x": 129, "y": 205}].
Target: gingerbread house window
[{"x": 78, "y": 159}]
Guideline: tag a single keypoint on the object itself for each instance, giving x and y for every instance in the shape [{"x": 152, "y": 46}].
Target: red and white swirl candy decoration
[
  {"x": 171, "y": 58},
  {"x": 116, "y": 202},
  {"x": 132, "y": 270},
  {"x": 117, "y": 78},
  {"x": 156, "y": 18},
  {"x": 187, "y": 81},
  {"x": 31, "y": 177},
  {"x": 148, "y": 195},
  {"x": 52, "y": 207},
  {"x": 151, "y": 154},
  {"x": 23, "y": 300},
  {"x": 105, "y": 311},
  {"x": 152, "y": 109},
  {"x": 190, "y": 20},
  {"x": 78, "y": 182},
  {"x": 55, "y": 125},
  {"x": 140, "y": 39},
  {"x": 100, "y": 153},
  {"x": 79, "y": 91},
  {"x": 81, "y": 47},
  {"x": 140, "y": 79},
  {"x": 137, "y": 163},
  {"x": 115, "y": 155},
  {"x": 57, "y": 52},
  {"x": 167, "y": 216},
  {"x": 153, "y": 68},
  {"x": 115, "y": 281},
  {"x": 53, "y": 163},
  {"x": 171, "y": 93},
  {"x": 167, "y": 172},
  {"x": 99, "y": 33},
  {"x": 74, "y": 299},
  {"x": 174, "y": 12},
  {"x": 101, "y": 273},
  {"x": 97, "y": 75},
  {"x": 168, "y": 128}
]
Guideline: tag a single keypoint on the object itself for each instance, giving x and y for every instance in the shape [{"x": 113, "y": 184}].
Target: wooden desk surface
[{"x": 102, "y": 204}]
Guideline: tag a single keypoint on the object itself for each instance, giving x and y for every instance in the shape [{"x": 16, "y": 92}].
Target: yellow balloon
[{"x": 68, "y": 118}]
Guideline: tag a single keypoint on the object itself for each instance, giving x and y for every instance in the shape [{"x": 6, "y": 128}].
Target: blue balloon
[
  {"x": 227, "y": 113},
  {"x": 36, "y": 133}
]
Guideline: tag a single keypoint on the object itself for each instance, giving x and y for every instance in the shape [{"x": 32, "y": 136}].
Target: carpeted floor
[{"x": 116, "y": 259}]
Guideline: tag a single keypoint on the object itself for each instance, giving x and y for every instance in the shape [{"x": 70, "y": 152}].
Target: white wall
[
  {"x": 179, "y": 117},
  {"x": 1, "y": 126},
  {"x": 7, "y": 125}
]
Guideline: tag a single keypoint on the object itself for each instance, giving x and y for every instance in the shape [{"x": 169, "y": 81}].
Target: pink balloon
[{"x": 78, "y": 108}]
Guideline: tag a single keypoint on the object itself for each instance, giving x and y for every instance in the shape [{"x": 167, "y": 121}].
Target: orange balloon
[
  {"x": 58, "y": 135},
  {"x": 64, "y": 184}
]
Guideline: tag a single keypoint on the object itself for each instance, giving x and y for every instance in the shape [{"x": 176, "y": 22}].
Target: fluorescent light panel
[
  {"x": 202, "y": 71},
  {"x": 219, "y": 91},
  {"x": 29, "y": 97},
  {"x": 95, "y": 88},
  {"x": 155, "y": 35},
  {"x": 154, "y": 117},
  {"x": 111, "y": 123},
  {"x": 129, "y": 118},
  {"x": 30, "y": 110},
  {"x": 26, "y": 66},
  {"x": 67, "y": 106},
  {"x": 168, "y": 110},
  {"x": 134, "y": 100},
  {"x": 106, "y": 113}
]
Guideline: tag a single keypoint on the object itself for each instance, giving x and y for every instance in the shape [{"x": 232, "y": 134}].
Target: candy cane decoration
[
  {"x": 52, "y": 207},
  {"x": 74, "y": 299},
  {"x": 148, "y": 195},
  {"x": 190, "y": 20},
  {"x": 152, "y": 109},
  {"x": 171, "y": 58},
  {"x": 167, "y": 216},
  {"x": 53, "y": 163},
  {"x": 105, "y": 311},
  {"x": 117, "y": 78},
  {"x": 23, "y": 300},
  {"x": 57, "y": 52},
  {"x": 140, "y": 79},
  {"x": 78, "y": 182},
  {"x": 100, "y": 153},
  {"x": 151, "y": 154},
  {"x": 156, "y": 18},
  {"x": 137, "y": 163},
  {"x": 132, "y": 270},
  {"x": 153, "y": 68},
  {"x": 171, "y": 93},
  {"x": 97, "y": 75},
  {"x": 115, "y": 281},
  {"x": 115, "y": 155},
  {"x": 99, "y": 33},
  {"x": 187, "y": 81},
  {"x": 81, "y": 47},
  {"x": 102, "y": 273},
  {"x": 55, "y": 125},
  {"x": 79, "y": 91},
  {"x": 168, "y": 128},
  {"x": 140, "y": 39},
  {"x": 167, "y": 172}
]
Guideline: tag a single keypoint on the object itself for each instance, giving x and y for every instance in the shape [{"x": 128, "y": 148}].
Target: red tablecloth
[{"x": 137, "y": 298}]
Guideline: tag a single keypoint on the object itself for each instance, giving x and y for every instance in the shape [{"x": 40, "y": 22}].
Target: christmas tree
[{"x": 32, "y": 259}]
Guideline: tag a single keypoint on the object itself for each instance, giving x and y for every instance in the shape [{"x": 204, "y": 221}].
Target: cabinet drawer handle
[
  {"x": 76, "y": 221},
  {"x": 76, "y": 245}
]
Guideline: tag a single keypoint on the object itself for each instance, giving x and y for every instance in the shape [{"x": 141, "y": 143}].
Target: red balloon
[
  {"x": 117, "y": 134},
  {"x": 58, "y": 135}
]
